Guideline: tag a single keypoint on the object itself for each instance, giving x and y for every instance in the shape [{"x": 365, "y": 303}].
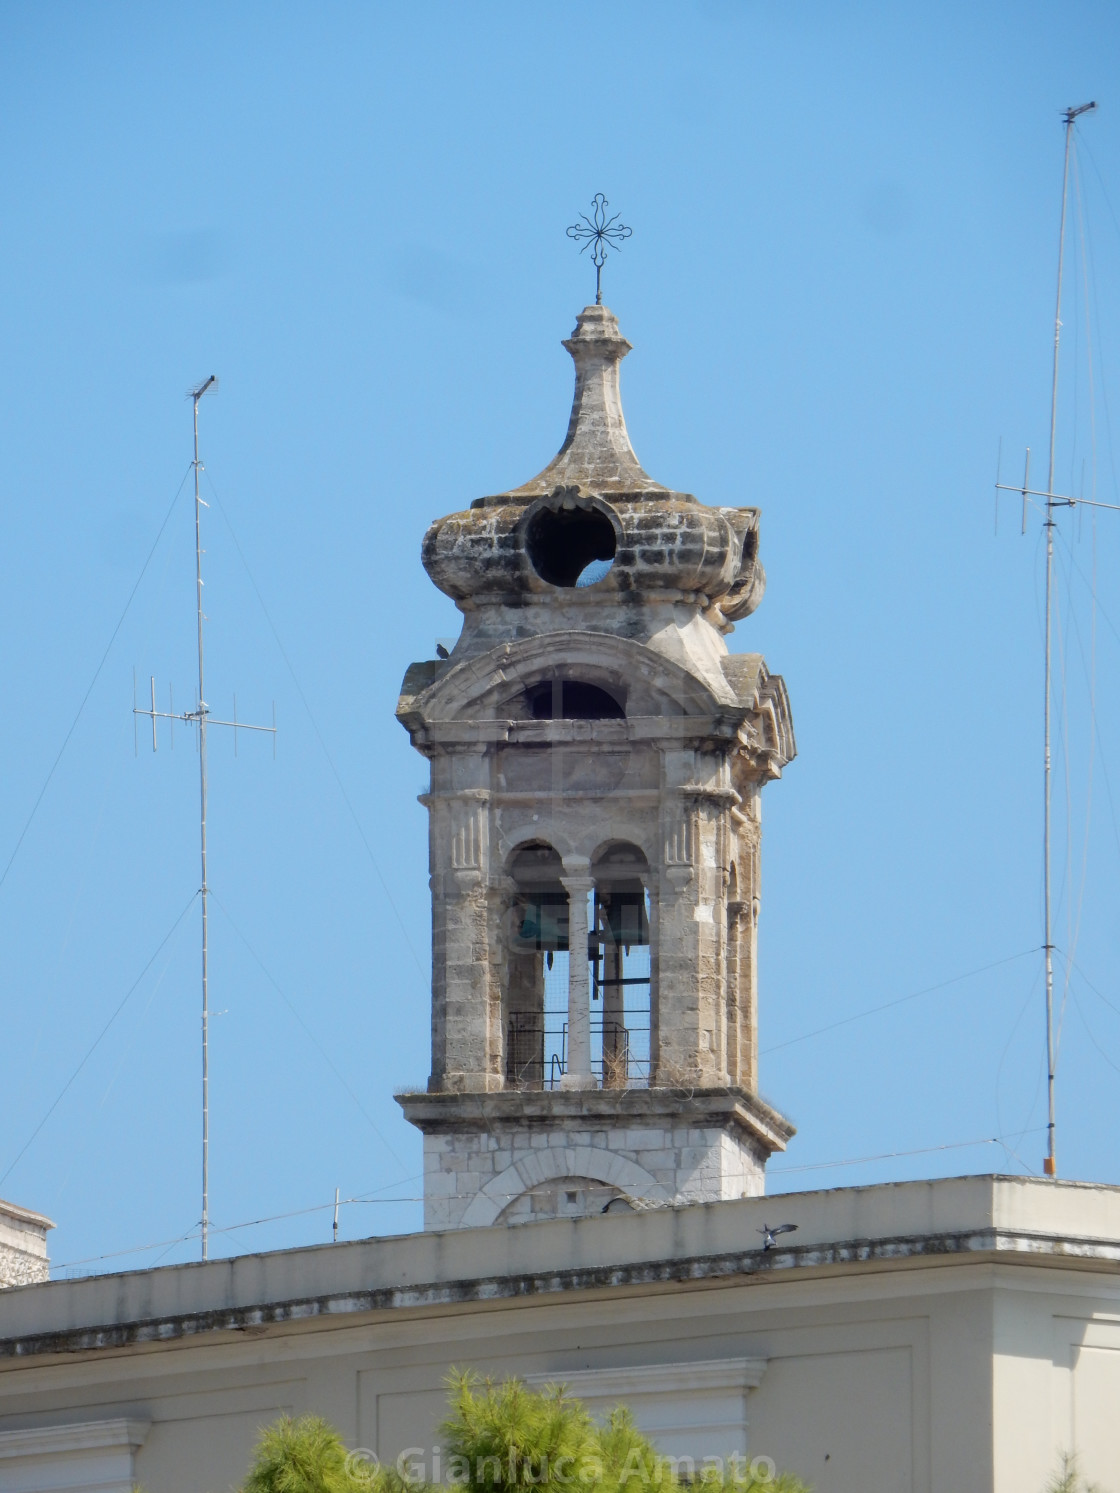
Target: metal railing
[{"x": 537, "y": 1052}]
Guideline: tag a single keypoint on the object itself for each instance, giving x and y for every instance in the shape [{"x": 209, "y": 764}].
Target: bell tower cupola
[{"x": 597, "y": 759}]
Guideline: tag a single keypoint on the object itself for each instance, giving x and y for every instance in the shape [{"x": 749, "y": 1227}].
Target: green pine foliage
[
  {"x": 1068, "y": 1480},
  {"x": 631, "y": 1462},
  {"x": 304, "y": 1456},
  {"x": 500, "y": 1437},
  {"x": 507, "y": 1438}
]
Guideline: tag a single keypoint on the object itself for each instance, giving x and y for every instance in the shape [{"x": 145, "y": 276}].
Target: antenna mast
[
  {"x": 201, "y": 712},
  {"x": 1052, "y": 500},
  {"x": 1050, "y": 1161},
  {"x": 200, "y": 716}
]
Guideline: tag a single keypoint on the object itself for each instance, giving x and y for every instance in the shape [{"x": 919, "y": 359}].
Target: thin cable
[
  {"x": 79, "y": 1155},
  {"x": 1099, "y": 609},
  {"x": 999, "y": 1075},
  {"x": 28, "y": 1058},
  {"x": 319, "y": 735},
  {"x": 1089, "y": 670},
  {"x": 97, "y": 1040},
  {"x": 182, "y": 1239},
  {"x": 372, "y": 1199},
  {"x": 1089, "y": 1031},
  {"x": 1083, "y": 144},
  {"x": 362, "y": 1199},
  {"x": 1099, "y": 994},
  {"x": 323, "y": 1053},
  {"x": 959, "y": 1145},
  {"x": 1100, "y": 341},
  {"x": 1074, "y": 921},
  {"x": 1028, "y": 1002},
  {"x": 93, "y": 681},
  {"x": 901, "y": 1000},
  {"x": 1100, "y": 605},
  {"x": 1065, "y": 890}
]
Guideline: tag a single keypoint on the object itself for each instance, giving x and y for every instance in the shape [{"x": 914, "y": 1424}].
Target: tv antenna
[
  {"x": 200, "y": 717},
  {"x": 1052, "y": 501}
]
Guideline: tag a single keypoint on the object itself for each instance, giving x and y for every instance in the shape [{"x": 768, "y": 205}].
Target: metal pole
[
  {"x": 202, "y": 710},
  {"x": 1050, "y": 1162}
]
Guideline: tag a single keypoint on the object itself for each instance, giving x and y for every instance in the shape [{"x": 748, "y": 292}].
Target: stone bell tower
[{"x": 597, "y": 762}]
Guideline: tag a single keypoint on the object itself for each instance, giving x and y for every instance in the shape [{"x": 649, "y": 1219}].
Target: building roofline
[
  {"x": 948, "y": 1221},
  {"x": 24, "y": 1215}
]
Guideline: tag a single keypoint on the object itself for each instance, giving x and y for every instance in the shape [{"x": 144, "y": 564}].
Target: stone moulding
[
  {"x": 79, "y": 1436},
  {"x": 94, "y": 1454},
  {"x": 658, "y": 1378},
  {"x": 442, "y": 704},
  {"x": 478, "y": 687},
  {"x": 989, "y": 1245},
  {"x": 712, "y": 1107}
]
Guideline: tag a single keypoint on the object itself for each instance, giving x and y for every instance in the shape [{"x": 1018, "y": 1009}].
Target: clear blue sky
[{"x": 840, "y": 292}]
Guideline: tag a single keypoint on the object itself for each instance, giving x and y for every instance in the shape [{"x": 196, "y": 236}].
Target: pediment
[{"x": 486, "y": 687}]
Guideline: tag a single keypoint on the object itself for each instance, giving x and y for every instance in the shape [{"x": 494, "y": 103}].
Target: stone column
[
  {"x": 654, "y": 979},
  {"x": 578, "y": 1072},
  {"x": 615, "y": 1068},
  {"x": 731, "y": 968}
]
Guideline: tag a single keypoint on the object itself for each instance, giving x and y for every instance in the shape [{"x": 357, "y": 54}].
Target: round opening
[{"x": 570, "y": 546}]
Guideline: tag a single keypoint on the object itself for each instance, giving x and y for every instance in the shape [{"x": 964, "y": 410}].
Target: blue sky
[{"x": 840, "y": 295}]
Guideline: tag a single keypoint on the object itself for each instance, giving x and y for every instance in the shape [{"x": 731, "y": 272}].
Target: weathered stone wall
[
  {"x": 23, "y": 1246},
  {"x": 19, "y": 1267},
  {"x": 479, "y": 1177}
]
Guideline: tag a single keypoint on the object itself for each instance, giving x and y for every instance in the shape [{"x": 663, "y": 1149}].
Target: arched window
[
  {"x": 619, "y": 949},
  {"x": 572, "y": 700},
  {"x": 534, "y": 979},
  {"x": 536, "y": 969}
]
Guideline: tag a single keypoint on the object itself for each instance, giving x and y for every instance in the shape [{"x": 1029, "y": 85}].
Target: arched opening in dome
[
  {"x": 570, "y": 546},
  {"x": 572, "y": 700}
]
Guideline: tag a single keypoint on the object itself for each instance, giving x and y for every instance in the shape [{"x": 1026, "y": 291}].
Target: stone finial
[
  {"x": 596, "y": 456},
  {"x": 23, "y": 1246}
]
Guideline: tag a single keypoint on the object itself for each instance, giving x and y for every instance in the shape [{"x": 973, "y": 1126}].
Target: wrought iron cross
[{"x": 598, "y": 231}]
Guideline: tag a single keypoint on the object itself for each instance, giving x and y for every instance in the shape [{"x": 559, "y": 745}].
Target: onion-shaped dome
[{"x": 593, "y": 524}]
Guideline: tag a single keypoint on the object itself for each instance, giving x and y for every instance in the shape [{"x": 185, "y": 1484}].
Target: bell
[{"x": 625, "y": 916}]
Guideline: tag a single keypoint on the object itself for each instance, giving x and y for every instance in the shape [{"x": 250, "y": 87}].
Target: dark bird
[
  {"x": 441, "y": 651},
  {"x": 770, "y": 1234}
]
